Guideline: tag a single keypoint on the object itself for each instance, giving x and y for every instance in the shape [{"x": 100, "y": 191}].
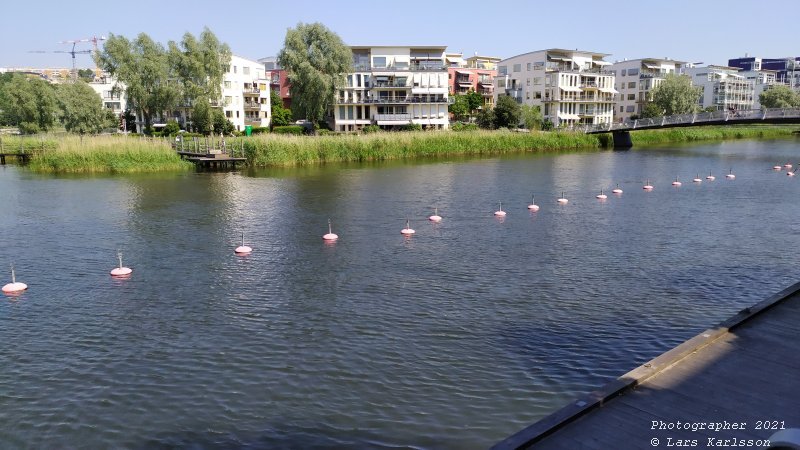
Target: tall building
[
  {"x": 723, "y": 87},
  {"x": 572, "y": 87},
  {"x": 636, "y": 79},
  {"x": 787, "y": 70},
  {"x": 104, "y": 86},
  {"x": 476, "y": 73},
  {"x": 245, "y": 94},
  {"x": 393, "y": 86}
]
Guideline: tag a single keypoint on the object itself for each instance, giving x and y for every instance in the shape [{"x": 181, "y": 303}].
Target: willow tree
[
  {"x": 28, "y": 103},
  {"x": 82, "y": 109},
  {"x": 316, "y": 60},
  {"x": 676, "y": 95},
  {"x": 200, "y": 65},
  {"x": 142, "y": 66}
]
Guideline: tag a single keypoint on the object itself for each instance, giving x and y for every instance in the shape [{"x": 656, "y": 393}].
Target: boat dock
[
  {"x": 21, "y": 157},
  {"x": 734, "y": 385},
  {"x": 212, "y": 161},
  {"x": 209, "y": 152}
]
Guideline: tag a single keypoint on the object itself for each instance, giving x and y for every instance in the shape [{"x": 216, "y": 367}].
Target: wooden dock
[
  {"x": 212, "y": 161},
  {"x": 23, "y": 158},
  {"x": 719, "y": 388}
]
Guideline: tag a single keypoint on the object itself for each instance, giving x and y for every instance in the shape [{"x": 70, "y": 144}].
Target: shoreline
[{"x": 133, "y": 154}]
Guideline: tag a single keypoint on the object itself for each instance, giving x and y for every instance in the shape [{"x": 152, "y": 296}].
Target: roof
[
  {"x": 433, "y": 47},
  {"x": 560, "y": 50}
]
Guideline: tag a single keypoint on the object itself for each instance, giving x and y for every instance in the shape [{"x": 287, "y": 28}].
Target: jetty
[
  {"x": 209, "y": 152},
  {"x": 734, "y": 385},
  {"x": 23, "y": 158}
]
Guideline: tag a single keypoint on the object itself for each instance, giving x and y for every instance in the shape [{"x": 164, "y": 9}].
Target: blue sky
[{"x": 694, "y": 31}]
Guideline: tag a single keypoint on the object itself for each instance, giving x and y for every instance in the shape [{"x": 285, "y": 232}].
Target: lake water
[{"x": 455, "y": 338}]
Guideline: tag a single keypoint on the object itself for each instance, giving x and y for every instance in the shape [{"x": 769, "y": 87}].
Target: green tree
[
  {"x": 486, "y": 119},
  {"x": 652, "y": 110},
  {"x": 676, "y": 95},
  {"x": 531, "y": 116},
  {"x": 202, "y": 120},
  {"x": 281, "y": 116},
  {"x": 221, "y": 123},
  {"x": 143, "y": 67},
  {"x": 82, "y": 109},
  {"x": 460, "y": 107},
  {"x": 506, "y": 112},
  {"x": 28, "y": 103},
  {"x": 86, "y": 75},
  {"x": 200, "y": 65},
  {"x": 779, "y": 96},
  {"x": 316, "y": 60},
  {"x": 474, "y": 101}
]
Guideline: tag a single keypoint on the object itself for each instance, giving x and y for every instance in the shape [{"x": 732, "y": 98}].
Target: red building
[
  {"x": 473, "y": 74},
  {"x": 279, "y": 82}
]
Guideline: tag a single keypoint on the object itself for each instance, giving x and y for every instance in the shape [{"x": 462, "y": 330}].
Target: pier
[
  {"x": 209, "y": 153},
  {"x": 735, "y": 383},
  {"x": 23, "y": 158}
]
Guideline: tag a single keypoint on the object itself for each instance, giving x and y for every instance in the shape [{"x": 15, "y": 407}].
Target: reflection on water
[{"x": 454, "y": 337}]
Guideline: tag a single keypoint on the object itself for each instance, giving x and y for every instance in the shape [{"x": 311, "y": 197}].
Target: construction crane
[{"x": 73, "y": 52}]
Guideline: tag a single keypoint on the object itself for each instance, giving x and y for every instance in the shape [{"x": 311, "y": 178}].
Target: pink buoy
[
  {"x": 533, "y": 206},
  {"x": 616, "y": 190},
  {"x": 14, "y": 287},
  {"x": 407, "y": 231},
  {"x": 562, "y": 200},
  {"x": 435, "y": 217},
  {"x": 791, "y": 174},
  {"x": 601, "y": 196},
  {"x": 120, "y": 271},
  {"x": 787, "y": 165},
  {"x": 647, "y": 186},
  {"x": 730, "y": 175},
  {"x": 776, "y": 167},
  {"x": 500, "y": 212},
  {"x": 676, "y": 182},
  {"x": 330, "y": 236},
  {"x": 243, "y": 249},
  {"x": 697, "y": 179},
  {"x": 711, "y": 177}
]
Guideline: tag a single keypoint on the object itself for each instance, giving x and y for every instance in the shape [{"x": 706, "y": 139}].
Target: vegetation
[
  {"x": 28, "y": 103},
  {"x": 485, "y": 119},
  {"x": 531, "y": 117},
  {"x": 779, "y": 97},
  {"x": 675, "y": 95},
  {"x": 706, "y": 133},
  {"x": 371, "y": 129},
  {"x": 506, "y": 112},
  {"x": 465, "y": 105},
  {"x": 110, "y": 154},
  {"x": 316, "y": 60},
  {"x": 289, "y": 129},
  {"x": 82, "y": 109},
  {"x": 281, "y": 116},
  {"x": 461, "y": 126}
]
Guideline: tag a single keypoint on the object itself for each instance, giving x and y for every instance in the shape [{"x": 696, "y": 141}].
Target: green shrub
[
  {"x": 371, "y": 129},
  {"x": 461, "y": 126},
  {"x": 288, "y": 129},
  {"x": 259, "y": 130},
  {"x": 171, "y": 129},
  {"x": 412, "y": 127}
]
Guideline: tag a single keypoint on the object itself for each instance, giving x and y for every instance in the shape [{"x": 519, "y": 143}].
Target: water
[{"x": 455, "y": 338}]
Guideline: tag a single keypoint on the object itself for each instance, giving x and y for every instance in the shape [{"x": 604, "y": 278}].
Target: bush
[
  {"x": 461, "y": 126},
  {"x": 411, "y": 127},
  {"x": 547, "y": 125},
  {"x": 324, "y": 132},
  {"x": 370, "y": 129},
  {"x": 259, "y": 130},
  {"x": 171, "y": 129},
  {"x": 289, "y": 129},
  {"x": 29, "y": 128}
]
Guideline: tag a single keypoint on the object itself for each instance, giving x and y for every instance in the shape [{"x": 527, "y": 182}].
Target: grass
[
  {"x": 110, "y": 154},
  {"x": 131, "y": 154}
]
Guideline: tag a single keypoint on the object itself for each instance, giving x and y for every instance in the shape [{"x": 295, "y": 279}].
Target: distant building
[
  {"x": 635, "y": 80},
  {"x": 723, "y": 87},
  {"x": 393, "y": 86},
  {"x": 476, "y": 73},
  {"x": 245, "y": 94},
  {"x": 114, "y": 101},
  {"x": 787, "y": 70},
  {"x": 572, "y": 87}
]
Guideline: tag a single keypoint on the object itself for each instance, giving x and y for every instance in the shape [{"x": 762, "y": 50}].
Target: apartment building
[
  {"x": 787, "y": 70},
  {"x": 476, "y": 73},
  {"x": 278, "y": 80},
  {"x": 572, "y": 87},
  {"x": 245, "y": 94},
  {"x": 392, "y": 86},
  {"x": 723, "y": 87},
  {"x": 104, "y": 86},
  {"x": 636, "y": 79}
]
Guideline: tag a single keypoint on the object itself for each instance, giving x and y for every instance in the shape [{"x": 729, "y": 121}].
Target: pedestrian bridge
[{"x": 621, "y": 130}]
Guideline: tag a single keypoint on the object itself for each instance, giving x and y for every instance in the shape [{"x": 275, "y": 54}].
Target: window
[
  {"x": 527, "y": 95},
  {"x": 537, "y": 95},
  {"x": 528, "y": 67},
  {"x": 228, "y": 114},
  {"x": 379, "y": 61},
  {"x": 237, "y": 114},
  {"x": 341, "y": 112},
  {"x": 623, "y": 72},
  {"x": 537, "y": 81},
  {"x": 527, "y": 82},
  {"x": 234, "y": 69},
  {"x": 227, "y": 85},
  {"x": 538, "y": 65},
  {"x": 350, "y": 80},
  {"x": 632, "y": 85},
  {"x": 227, "y": 100},
  {"x": 621, "y": 109},
  {"x": 245, "y": 71},
  {"x": 630, "y": 109},
  {"x": 517, "y": 68},
  {"x": 502, "y": 70},
  {"x": 633, "y": 72},
  {"x": 631, "y": 96}
]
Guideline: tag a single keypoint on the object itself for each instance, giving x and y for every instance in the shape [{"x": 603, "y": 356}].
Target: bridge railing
[{"x": 683, "y": 119}]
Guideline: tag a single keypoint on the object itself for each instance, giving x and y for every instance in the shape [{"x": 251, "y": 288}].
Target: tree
[
  {"x": 779, "y": 97},
  {"x": 474, "y": 101},
  {"x": 281, "y": 116},
  {"x": 86, "y": 75},
  {"x": 28, "y": 103},
  {"x": 676, "y": 95},
  {"x": 82, "y": 109},
  {"x": 531, "y": 116},
  {"x": 652, "y": 110},
  {"x": 460, "y": 107},
  {"x": 202, "y": 120},
  {"x": 200, "y": 65},
  {"x": 316, "y": 60},
  {"x": 506, "y": 112},
  {"x": 143, "y": 67},
  {"x": 486, "y": 119},
  {"x": 221, "y": 123}
]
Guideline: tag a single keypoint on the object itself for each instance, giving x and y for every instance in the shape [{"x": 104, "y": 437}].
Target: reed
[
  {"x": 709, "y": 133},
  {"x": 111, "y": 154}
]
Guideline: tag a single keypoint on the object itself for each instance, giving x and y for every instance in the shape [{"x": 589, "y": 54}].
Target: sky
[{"x": 708, "y": 31}]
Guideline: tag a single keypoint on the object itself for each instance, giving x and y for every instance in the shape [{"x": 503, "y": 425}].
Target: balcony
[
  {"x": 392, "y": 119},
  {"x": 403, "y": 68},
  {"x": 252, "y": 105},
  {"x": 249, "y": 120},
  {"x": 254, "y": 91},
  {"x": 390, "y": 84},
  {"x": 275, "y": 80}
]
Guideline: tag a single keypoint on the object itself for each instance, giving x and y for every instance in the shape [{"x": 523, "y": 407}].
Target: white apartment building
[
  {"x": 572, "y": 87},
  {"x": 723, "y": 88},
  {"x": 245, "y": 94},
  {"x": 104, "y": 86},
  {"x": 636, "y": 79},
  {"x": 393, "y": 86},
  {"x": 762, "y": 80}
]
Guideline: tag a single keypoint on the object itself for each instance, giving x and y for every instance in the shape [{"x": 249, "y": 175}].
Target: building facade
[
  {"x": 473, "y": 74},
  {"x": 723, "y": 87},
  {"x": 245, "y": 94},
  {"x": 787, "y": 70},
  {"x": 114, "y": 101},
  {"x": 635, "y": 80},
  {"x": 392, "y": 87},
  {"x": 572, "y": 87}
]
